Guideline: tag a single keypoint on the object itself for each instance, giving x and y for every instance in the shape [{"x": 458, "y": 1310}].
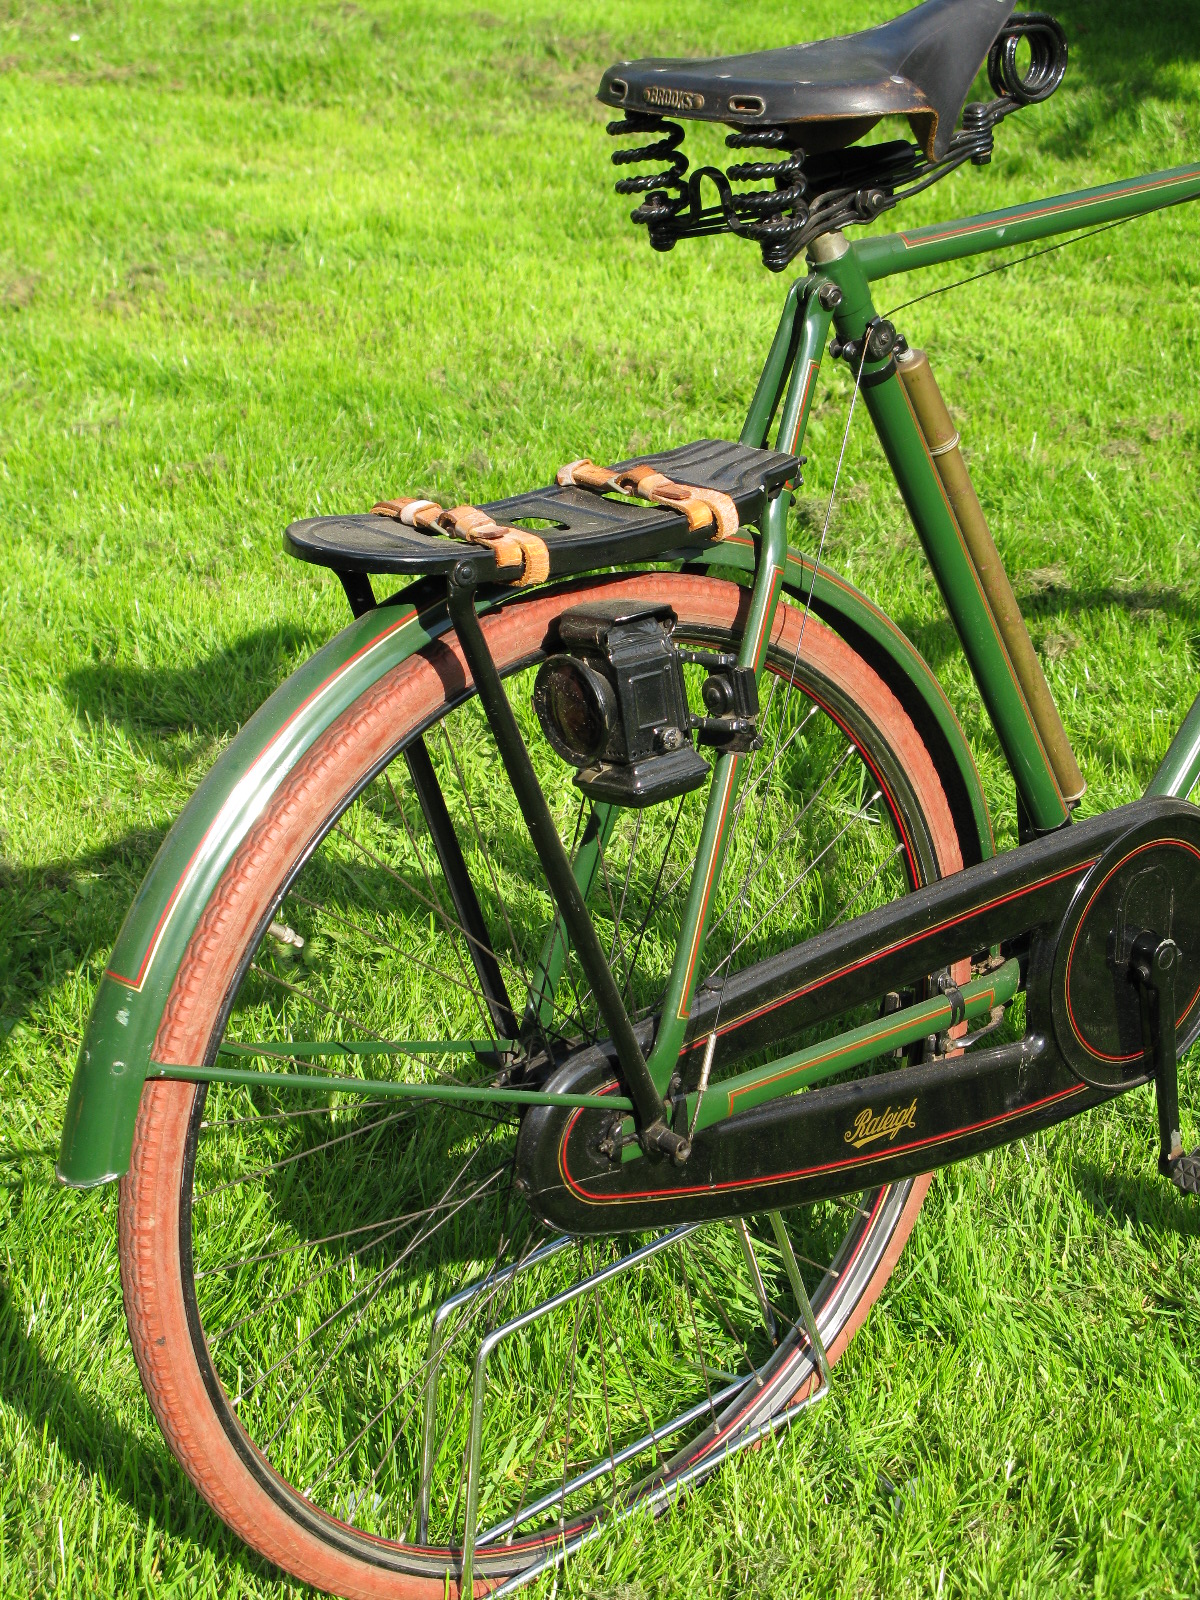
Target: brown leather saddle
[{"x": 829, "y": 93}]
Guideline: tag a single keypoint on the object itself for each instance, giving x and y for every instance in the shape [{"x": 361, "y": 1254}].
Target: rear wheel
[{"x": 331, "y": 1297}]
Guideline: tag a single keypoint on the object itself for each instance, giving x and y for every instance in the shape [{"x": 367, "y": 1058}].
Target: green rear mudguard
[{"x": 116, "y": 1053}]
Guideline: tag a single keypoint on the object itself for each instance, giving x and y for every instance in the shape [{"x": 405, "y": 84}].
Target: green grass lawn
[{"x": 258, "y": 263}]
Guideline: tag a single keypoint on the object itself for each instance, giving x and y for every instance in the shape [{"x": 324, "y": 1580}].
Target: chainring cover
[{"x": 1149, "y": 878}]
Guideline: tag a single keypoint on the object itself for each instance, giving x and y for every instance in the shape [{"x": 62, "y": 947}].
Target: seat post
[{"x": 828, "y": 247}]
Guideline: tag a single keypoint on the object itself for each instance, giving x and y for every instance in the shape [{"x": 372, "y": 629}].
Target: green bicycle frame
[
  {"x": 794, "y": 361},
  {"x": 851, "y": 272},
  {"x": 117, "y": 1053}
]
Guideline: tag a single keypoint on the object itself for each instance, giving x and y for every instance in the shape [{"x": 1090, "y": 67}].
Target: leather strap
[
  {"x": 513, "y": 546},
  {"x": 412, "y": 513},
  {"x": 701, "y": 507}
]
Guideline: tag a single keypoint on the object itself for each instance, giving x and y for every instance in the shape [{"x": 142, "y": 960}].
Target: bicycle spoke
[
  {"x": 308, "y": 1244},
  {"x": 256, "y": 1173},
  {"x": 484, "y": 1010},
  {"x": 321, "y": 1272},
  {"x": 504, "y": 1290},
  {"x": 451, "y": 923},
  {"x": 465, "y": 790},
  {"x": 374, "y": 1285},
  {"x": 566, "y": 1447},
  {"x": 752, "y": 876},
  {"x": 847, "y": 906},
  {"x": 633, "y": 846},
  {"x": 262, "y": 1119},
  {"x": 633, "y": 1384},
  {"x": 608, "y": 1433},
  {"x": 651, "y": 900},
  {"x": 699, "y": 1347},
  {"x": 536, "y": 1452},
  {"x": 430, "y": 901},
  {"x": 612, "y": 906},
  {"x": 407, "y": 955},
  {"x": 355, "y": 1023},
  {"x": 800, "y": 878},
  {"x": 480, "y": 1299},
  {"x": 722, "y": 1314}
]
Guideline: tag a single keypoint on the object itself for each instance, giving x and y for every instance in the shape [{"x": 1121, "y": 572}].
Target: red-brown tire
[{"x": 231, "y": 1474}]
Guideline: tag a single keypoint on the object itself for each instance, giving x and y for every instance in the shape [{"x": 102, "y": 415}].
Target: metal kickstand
[
  {"x": 475, "y": 1538},
  {"x": 807, "y": 1316}
]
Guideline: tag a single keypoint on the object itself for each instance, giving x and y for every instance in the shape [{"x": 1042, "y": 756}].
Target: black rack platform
[{"x": 582, "y": 530}]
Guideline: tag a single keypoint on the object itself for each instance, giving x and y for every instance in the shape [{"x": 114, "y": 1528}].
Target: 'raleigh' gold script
[{"x": 868, "y": 1127}]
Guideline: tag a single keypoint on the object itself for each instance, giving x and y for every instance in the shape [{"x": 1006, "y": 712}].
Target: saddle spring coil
[
  {"x": 787, "y": 176},
  {"x": 821, "y": 193},
  {"x": 769, "y": 216},
  {"x": 666, "y": 149}
]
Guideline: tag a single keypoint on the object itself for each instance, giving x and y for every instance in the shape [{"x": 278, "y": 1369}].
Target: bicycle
[{"x": 575, "y": 1148}]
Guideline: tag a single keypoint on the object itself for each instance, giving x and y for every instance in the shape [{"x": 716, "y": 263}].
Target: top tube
[{"x": 1040, "y": 219}]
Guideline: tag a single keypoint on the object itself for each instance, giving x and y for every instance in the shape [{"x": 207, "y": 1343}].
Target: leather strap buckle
[
  {"x": 514, "y": 547},
  {"x": 701, "y": 507}
]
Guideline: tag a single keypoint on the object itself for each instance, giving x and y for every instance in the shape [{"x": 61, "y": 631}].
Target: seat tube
[
  {"x": 720, "y": 812},
  {"x": 942, "y": 541}
]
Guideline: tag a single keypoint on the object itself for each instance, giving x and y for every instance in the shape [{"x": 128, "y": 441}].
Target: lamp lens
[{"x": 575, "y": 708}]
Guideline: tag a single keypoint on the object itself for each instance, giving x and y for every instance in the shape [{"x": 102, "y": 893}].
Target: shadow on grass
[
  {"x": 937, "y": 641},
  {"x": 213, "y": 696},
  {"x": 1055, "y": 602},
  {"x": 86, "y": 1431},
  {"x": 56, "y": 915},
  {"x": 1124, "y": 54},
  {"x": 1151, "y": 1203}
]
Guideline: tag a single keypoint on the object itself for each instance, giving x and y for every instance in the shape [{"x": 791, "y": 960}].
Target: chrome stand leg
[
  {"x": 437, "y": 1336},
  {"x": 801, "y": 1293},
  {"x": 731, "y": 1444},
  {"x": 606, "y": 1464},
  {"x": 726, "y": 1444},
  {"x": 489, "y": 1343},
  {"x": 756, "y": 1278}
]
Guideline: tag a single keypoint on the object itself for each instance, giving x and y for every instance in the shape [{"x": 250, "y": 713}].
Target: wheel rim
[{"x": 300, "y": 1409}]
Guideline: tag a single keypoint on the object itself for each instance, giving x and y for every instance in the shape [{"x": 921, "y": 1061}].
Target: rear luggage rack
[{"x": 582, "y": 529}]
